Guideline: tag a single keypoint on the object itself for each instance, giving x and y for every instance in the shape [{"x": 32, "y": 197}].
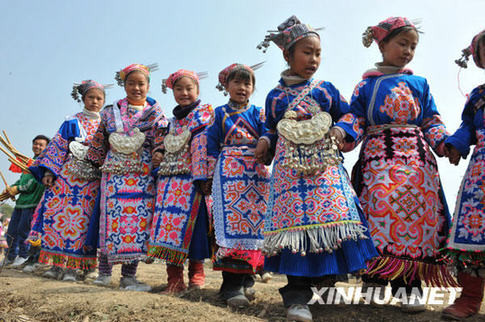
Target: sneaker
[
  {"x": 299, "y": 312},
  {"x": 53, "y": 272},
  {"x": 70, "y": 276},
  {"x": 19, "y": 261},
  {"x": 238, "y": 301},
  {"x": 250, "y": 293},
  {"x": 266, "y": 277},
  {"x": 30, "y": 268},
  {"x": 130, "y": 283},
  {"x": 102, "y": 280}
]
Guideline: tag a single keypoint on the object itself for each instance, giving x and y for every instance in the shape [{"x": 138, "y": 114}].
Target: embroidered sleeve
[
  {"x": 214, "y": 140},
  {"x": 160, "y": 129},
  {"x": 99, "y": 146},
  {"x": 465, "y": 136},
  {"x": 275, "y": 107},
  {"x": 200, "y": 167},
  {"x": 343, "y": 118},
  {"x": 200, "y": 118},
  {"x": 261, "y": 122},
  {"x": 55, "y": 155},
  {"x": 358, "y": 112},
  {"x": 271, "y": 119},
  {"x": 198, "y": 148},
  {"x": 432, "y": 126},
  {"x": 158, "y": 126},
  {"x": 158, "y": 136}
]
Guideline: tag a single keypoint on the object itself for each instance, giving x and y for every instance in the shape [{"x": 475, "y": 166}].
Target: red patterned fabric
[
  {"x": 177, "y": 200},
  {"x": 179, "y": 74},
  {"x": 385, "y": 27}
]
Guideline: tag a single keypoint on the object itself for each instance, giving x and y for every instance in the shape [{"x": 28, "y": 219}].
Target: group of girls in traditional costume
[{"x": 167, "y": 186}]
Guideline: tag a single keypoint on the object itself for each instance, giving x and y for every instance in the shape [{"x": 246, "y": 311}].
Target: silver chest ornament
[
  {"x": 308, "y": 147},
  {"x": 176, "y": 147},
  {"x": 77, "y": 165},
  {"x": 125, "y": 157}
]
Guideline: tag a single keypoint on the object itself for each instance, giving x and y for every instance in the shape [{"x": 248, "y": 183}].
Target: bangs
[{"x": 241, "y": 74}]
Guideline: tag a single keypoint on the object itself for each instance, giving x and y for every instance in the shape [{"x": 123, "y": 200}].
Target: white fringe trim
[{"x": 313, "y": 240}]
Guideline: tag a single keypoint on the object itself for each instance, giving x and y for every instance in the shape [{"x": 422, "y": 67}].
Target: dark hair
[
  {"x": 291, "y": 50},
  {"x": 480, "y": 44},
  {"x": 41, "y": 137},
  {"x": 241, "y": 74},
  {"x": 397, "y": 31}
]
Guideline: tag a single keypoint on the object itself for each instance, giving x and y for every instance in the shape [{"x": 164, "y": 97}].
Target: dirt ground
[{"x": 30, "y": 297}]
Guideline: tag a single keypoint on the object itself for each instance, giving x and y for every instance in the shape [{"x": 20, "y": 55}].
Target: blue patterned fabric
[
  {"x": 398, "y": 99},
  {"x": 349, "y": 258},
  {"x": 55, "y": 154},
  {"x": 314, "y": 225},
  {"x": 324, "y": 94},
  {"x": 467, "y": 236},
  {"x": 240, "y": 187}
]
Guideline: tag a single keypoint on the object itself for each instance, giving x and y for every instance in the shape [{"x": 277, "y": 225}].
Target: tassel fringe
[
  {"x": 66, "y": 261},
  {"x": 391, "y": 268},
  {"x": 171, "y": 256},
  {"x": 313, "y": 239}
]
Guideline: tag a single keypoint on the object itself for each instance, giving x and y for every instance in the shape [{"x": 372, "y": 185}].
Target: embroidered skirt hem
[
  {"x": 69, "y": 261},
  {"x": 315, "y": 238},
  {"x": 238, "y": 260}
]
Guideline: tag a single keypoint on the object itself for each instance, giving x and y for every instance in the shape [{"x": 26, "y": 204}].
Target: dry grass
[{"x": 29, "y": 297}]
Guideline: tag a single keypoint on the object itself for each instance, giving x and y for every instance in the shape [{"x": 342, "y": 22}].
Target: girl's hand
[
  {"x": 48, "y": 180},
  {"x": 453, "y": 154},
  {"x": 261, "y": 151},
  {"x": 339, "y": 136},
  {"x": 157, "y": 159}
]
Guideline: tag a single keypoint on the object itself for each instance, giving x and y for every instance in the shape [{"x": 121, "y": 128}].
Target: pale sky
[{"x": 48, "y": 45}]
